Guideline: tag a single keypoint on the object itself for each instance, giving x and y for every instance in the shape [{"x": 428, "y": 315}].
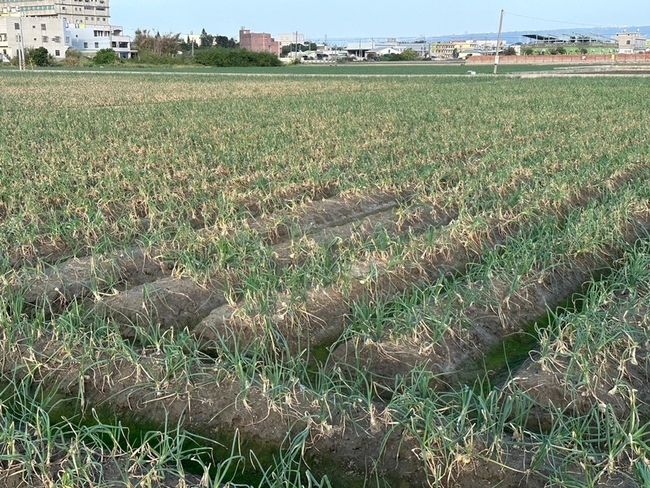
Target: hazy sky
[{"x": 374, "y": 18}]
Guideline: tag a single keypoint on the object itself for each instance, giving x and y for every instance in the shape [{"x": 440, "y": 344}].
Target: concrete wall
[{"x": 563, "y": 59}]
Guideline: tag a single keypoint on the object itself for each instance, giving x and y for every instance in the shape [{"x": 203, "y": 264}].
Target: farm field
[
  {"x": 433, "y": 68},
  {"x": 323, "y": 282}
]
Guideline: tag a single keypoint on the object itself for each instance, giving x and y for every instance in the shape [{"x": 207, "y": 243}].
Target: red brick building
[{"x": 258, "y": 42}]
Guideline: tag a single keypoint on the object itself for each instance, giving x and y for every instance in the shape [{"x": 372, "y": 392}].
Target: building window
[
  {"x": 96, "y": 45},
  {"x": 57, "y": 53},
  {"x": 85, "y": 45},
  {"x": 17, "y": 26}
]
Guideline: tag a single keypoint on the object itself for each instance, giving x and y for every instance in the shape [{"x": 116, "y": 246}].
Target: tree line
[{"x": 211, "y": 50}]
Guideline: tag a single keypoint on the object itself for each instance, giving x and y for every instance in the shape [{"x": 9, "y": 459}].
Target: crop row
[
  {"x": 145, "y": 172},
  {"x": 320, "y": 275},
  {"x": 600, "y": 226}
]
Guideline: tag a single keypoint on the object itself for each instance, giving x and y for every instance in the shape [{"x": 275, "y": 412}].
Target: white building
[
  {"x": 92, "y": 38},
  {"x": 56, "y": 35},
  {"x": 32, "y": 32},
  {"x": 365, "y": 49},
  {"x": 196, "y": 39},
  {"x": 293, "y": 38},
  {"x": 58, "y": 25},
  {"x": 73, "y": 11}
]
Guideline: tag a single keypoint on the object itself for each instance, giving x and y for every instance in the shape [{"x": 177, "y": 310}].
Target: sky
[{"x": 379, "y": 19}]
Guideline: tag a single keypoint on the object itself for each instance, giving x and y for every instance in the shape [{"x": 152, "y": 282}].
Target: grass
[{"x": 544, "y": 182}]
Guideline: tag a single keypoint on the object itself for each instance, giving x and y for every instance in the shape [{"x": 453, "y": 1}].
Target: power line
[{"x": 549, "y": 20}]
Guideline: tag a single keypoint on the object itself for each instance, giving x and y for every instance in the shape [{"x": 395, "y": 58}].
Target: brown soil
[
  {"x": 217, "y": 406},
  {"x": 75, "y": 279},
  {"x": 168, "y": 303}
]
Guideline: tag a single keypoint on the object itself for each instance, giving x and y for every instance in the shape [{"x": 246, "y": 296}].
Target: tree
[
  {"x": 39, "y": 57},
  {"x": 105, "y": 56},
  {"x": 187, "y": 45},
  {"x": 207, "y": 40},
  {"x": 73, "y": 57},
  {"x": 165, "y": 45},
  {"x": 510, "y": 51},
  {"x": 409, "y": 55},
  {"x": 225, "y": 42}
]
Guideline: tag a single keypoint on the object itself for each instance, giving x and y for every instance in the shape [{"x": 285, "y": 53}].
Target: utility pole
[
  {"x": 496, "y": 57},
  {"x": 21, "y": 45}
]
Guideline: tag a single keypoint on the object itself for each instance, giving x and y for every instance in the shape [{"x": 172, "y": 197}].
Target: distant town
[{"x": 64, "y": 26}]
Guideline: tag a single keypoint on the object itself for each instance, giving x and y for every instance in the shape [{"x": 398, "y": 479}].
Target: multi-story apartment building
[
  {"x": 74, "y": 12},
  {"x": 17, "y": 32},
  {"x": 58, "y": 25}
]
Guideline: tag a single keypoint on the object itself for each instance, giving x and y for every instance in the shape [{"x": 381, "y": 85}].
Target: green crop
[{"x": 391, "y": 257}]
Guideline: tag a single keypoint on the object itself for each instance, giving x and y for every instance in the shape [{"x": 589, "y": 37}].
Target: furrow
[
  {"x": 77, "y": 278},
  {"x": 214, "y": 405},
  {"x": 460, "y": 356},
  {"x": 131, "y": 306},
  {"x": 321, "y": 318}
]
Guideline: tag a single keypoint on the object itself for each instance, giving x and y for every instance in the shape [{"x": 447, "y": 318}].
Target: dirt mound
[
  {"x": 168, "y": 303},
  {"x": 78, "y": 278}
]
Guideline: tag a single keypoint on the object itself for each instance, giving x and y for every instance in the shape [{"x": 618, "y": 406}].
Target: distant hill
[{"x": 512, "y": 37}]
